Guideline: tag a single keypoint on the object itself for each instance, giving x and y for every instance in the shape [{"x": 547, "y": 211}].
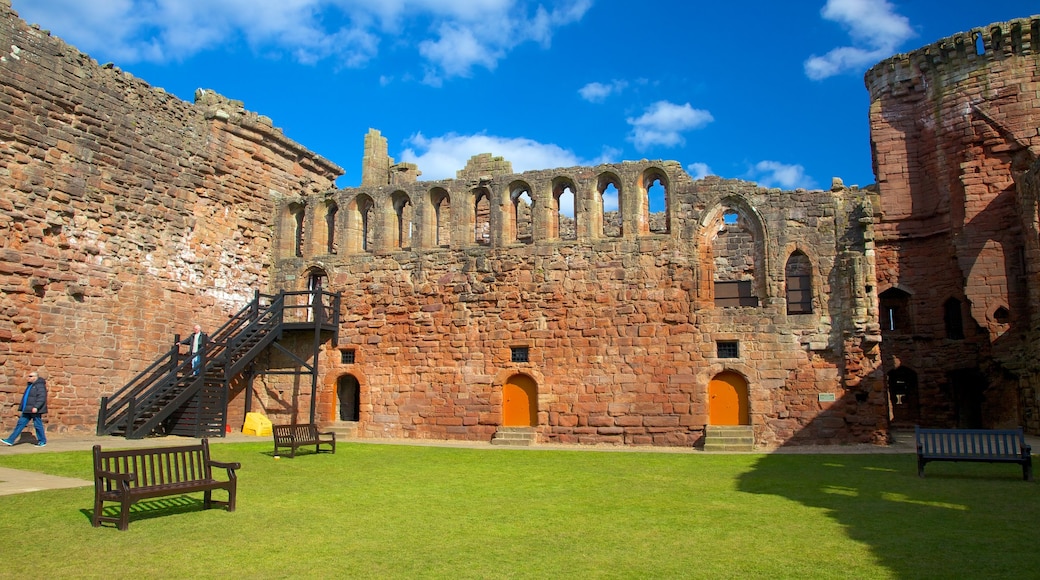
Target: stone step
[
  {"x": 343, "y": 429},
  {"x": 729, "y": 438},
  {"x": 514, "y": 436}
]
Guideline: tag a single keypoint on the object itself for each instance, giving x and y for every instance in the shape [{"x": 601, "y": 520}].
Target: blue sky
[{"x": 766, "y": 90}]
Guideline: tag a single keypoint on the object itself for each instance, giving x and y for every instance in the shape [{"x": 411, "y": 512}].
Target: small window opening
[
  {"x": 730, "y": 217},
  {"x": 1002, "y": 315},
  {"x": 953, "y": 319},
  {"x": 520, "y": 354},
  {"x": 728, "y": 349},
  {"x": 346, "y": 356}
]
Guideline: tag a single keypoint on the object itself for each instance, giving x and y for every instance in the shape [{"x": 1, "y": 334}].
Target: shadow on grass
[
  {"x": 148, "y": 509},
  {"x": 960, "y": 521}
]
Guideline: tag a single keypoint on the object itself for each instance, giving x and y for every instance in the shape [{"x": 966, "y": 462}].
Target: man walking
[{"x": 32, "y": 407}]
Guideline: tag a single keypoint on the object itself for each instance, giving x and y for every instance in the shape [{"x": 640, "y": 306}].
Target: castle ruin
[{"x": 502, "y": 300}]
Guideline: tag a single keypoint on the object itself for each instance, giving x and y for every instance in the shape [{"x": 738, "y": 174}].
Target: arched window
[
  {"x": 564, "y": 224},
  {"x": 523, "y": 212},
  {"x": 953, "y": 319},
  {"x": 656, "y": 203},
  {"x": 299, "y": 212},
  {"x": 798, "y": 282},
  {"x": 610, "y": 196},
  {"x": 403, "y": 213},
  {"x": 895, "y": 310},
  {"x": 359, "y": 223},
  {"x": 735, "y": 260},
  {"x": 482, "y": 217},
  {"x": 330, "y": 227},
  {"x": 441, "y": 226}
]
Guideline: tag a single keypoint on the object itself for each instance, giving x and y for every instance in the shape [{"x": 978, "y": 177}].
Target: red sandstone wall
[
  {"x": 621, "y": 332},
  {"x": 952, "y": 128},
  {"x": 127, "y": 215}
]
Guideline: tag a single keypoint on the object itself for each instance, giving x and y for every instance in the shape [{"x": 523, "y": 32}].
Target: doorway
[
  {"x": 348, "y": 394},
  {"x": 520, "y": 402},
  {"x": 728, "y": 400}
]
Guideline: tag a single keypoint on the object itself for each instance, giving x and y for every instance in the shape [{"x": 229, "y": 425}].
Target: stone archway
[
  {"x": 728, "y": 400},
  {"x": 348, "y": 398}
]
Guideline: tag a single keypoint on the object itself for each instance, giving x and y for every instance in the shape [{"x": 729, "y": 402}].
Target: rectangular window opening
[
  {"x": 346, "y": 356},
  {"x": 520, "y": 354},
  {"x": 728, "y": 349}
]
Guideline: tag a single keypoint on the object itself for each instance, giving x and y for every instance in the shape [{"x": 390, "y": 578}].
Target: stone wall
[
  {"x": 622, "y": 332},
  {"x": 954, "y": 126},
  {"x": 127, "y": 215}
]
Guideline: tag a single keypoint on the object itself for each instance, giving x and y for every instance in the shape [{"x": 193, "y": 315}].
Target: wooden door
[
  {"x": 728, "y": 400},
  {"x": 520, "y": 402}
]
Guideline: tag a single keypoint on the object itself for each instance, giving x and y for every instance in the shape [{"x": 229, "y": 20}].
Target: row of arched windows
[{"x": 562, "y": 212}]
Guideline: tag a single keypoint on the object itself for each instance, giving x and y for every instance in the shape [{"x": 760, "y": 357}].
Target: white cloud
[
  {"x": 776, "y": 174},
  {"x": 699, "y": 170},
  {"x": 663, "y": 124},
  {"x": 440, "y": 157},
  {"x": 876, "y": 31},
  {"x": 454, "y": 36},
  {"x": 598, "y": 92}
]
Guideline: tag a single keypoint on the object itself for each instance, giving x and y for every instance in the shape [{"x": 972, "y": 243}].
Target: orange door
[
  {"x": 728, "y": 400},
  {"x": 520, "y": 402}
]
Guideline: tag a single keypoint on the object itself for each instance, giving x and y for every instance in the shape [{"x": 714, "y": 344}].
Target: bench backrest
[
  {"x": 304, "y": 432},
  {"x": 157, "y": 466},
  {"x": 973, "y": 442}
]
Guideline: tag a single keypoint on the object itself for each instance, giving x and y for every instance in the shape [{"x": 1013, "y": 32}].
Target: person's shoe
[
  {"x": 6, "y": 442},
  {"x": 41, "y": 444}
]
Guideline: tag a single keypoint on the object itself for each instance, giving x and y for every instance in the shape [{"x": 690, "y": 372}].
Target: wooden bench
[
  {"x": 295, "y": 436},
  {"x": 980, "y": 445},
  {"x": 130, "y": 475}
]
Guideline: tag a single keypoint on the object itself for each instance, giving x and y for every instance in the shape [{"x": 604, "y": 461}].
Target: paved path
[{"x": 19, "y": 481}]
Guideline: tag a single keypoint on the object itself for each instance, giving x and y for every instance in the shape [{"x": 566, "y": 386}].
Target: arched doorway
[
  {"x": 728, "y": 400},
  {"x": 520, "y": 402},
  {"x": 348, "y": 394},
  {"x": 902, "y": 397}
]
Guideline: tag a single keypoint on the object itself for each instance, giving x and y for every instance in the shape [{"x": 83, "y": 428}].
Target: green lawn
[{"x": 388, "y": 511}]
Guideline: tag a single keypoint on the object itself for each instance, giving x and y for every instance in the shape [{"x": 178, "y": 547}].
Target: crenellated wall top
[{"x": 960, "y": 54}]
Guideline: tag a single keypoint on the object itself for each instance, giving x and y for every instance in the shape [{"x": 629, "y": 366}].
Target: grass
[{"x": 387, "y": 511}]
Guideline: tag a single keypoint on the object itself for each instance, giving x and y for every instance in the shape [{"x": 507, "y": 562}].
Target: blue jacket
[{"x": 35, "y": 396}]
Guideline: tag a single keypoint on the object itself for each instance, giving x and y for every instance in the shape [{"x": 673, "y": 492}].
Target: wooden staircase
[
  {"x": 515, "y": 436},
  {"x": 729, "y": 438}
]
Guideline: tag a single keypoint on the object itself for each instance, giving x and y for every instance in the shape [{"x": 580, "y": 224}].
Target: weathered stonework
[
  {"x": 954, "y": 130},
  {"x": 128, "y": 215}
]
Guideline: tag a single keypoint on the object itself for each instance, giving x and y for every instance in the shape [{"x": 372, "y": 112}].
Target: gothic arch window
[
  {"x": 482, "y": 216},
  {"x": 953, "y": 319},
  {"x": 655, "y": 203},
  {"x": 330, "y": 227},
  {"x": 736, "y": 258},
  {"x": 564, "y": 224},
  {"x": 523, "y": 212},
  {"x": 403, "y": 215},
  {"x": 440, "y": 201},
  {"x": 611, "y": 208},
  {"x": 798, "y": 283},
  {"x": 895, "y": 310}
]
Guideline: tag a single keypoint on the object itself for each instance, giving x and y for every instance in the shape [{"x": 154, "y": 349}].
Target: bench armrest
[
  {"x": 127, "y": 477},
  {"x": 225, "y": 465},
  {"x": 330, "y": 433}
]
